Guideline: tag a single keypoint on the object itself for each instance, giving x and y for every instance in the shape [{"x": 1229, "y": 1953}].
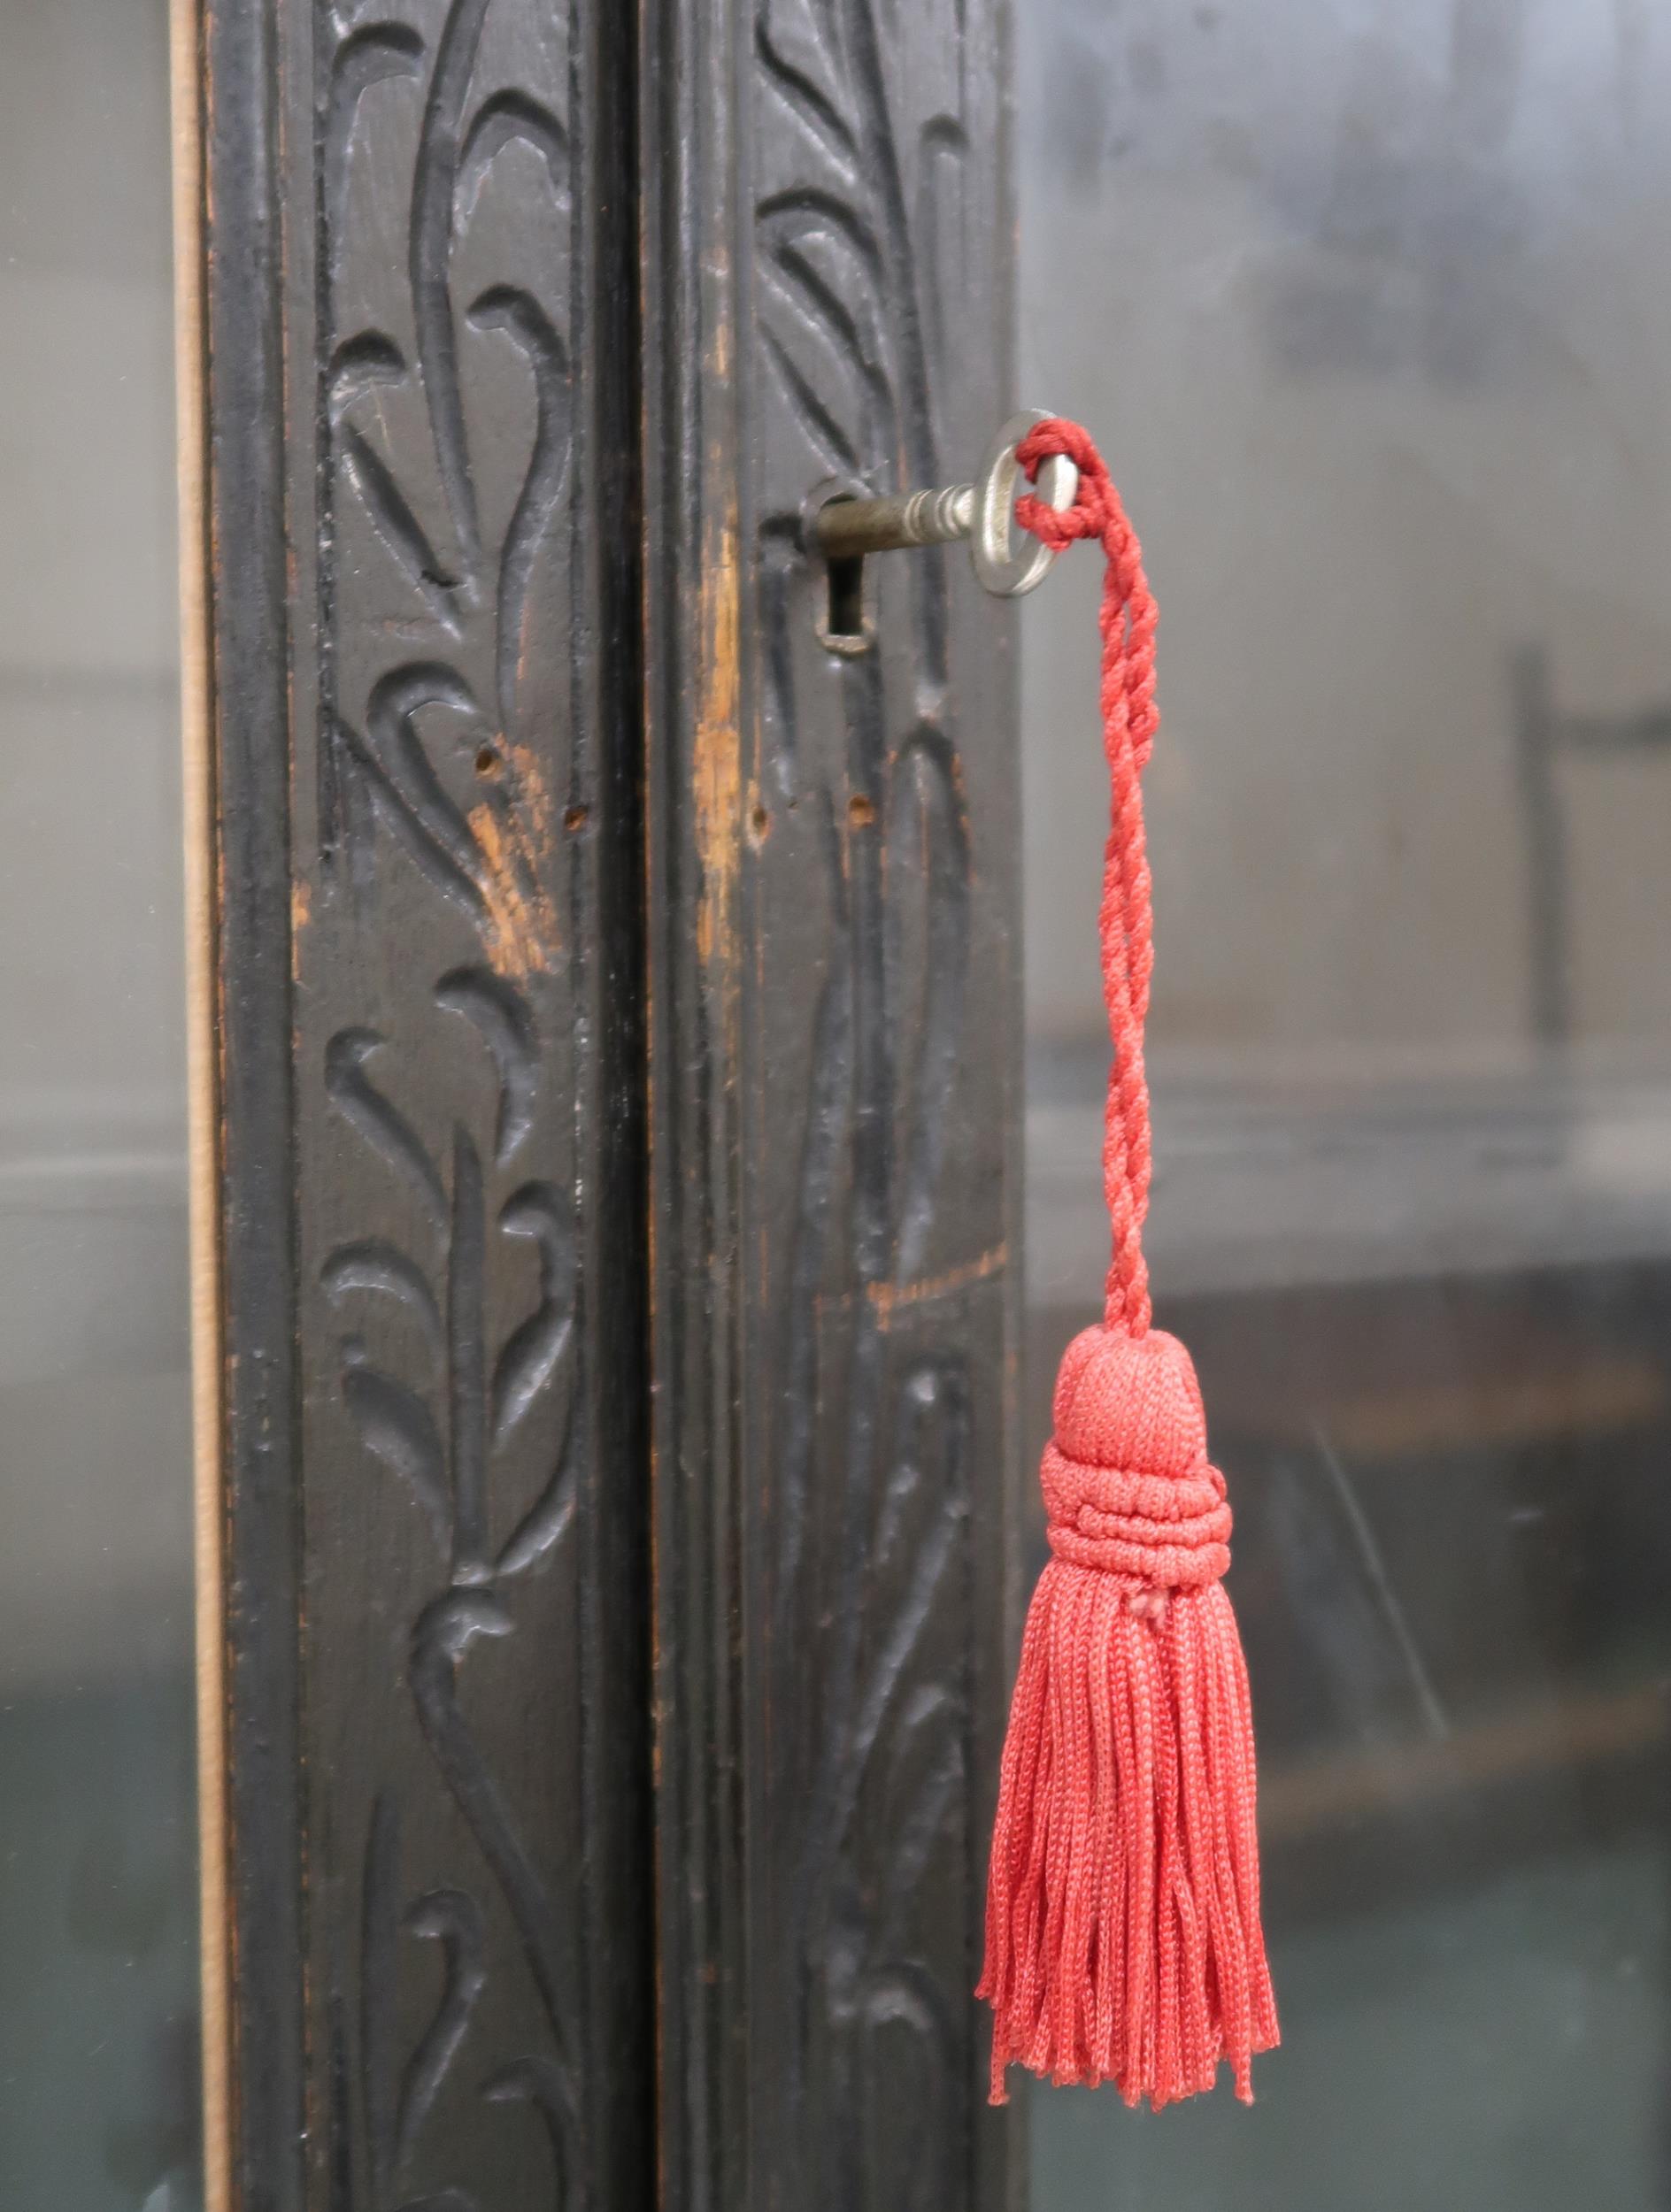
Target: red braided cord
[{"x": 1125, "y": 921}]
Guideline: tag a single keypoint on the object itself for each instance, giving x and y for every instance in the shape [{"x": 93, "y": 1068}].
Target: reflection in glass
[
  {"x": 1366, "y": 306},
  {"x": 98, "y": 2086}
]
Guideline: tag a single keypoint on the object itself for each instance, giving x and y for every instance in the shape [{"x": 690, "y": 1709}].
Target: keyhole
[
  {"x": 839, "y": 602},
  {"x": 846, "y": 617}
]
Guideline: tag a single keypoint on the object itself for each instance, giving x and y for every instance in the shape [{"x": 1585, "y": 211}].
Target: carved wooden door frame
[{"x": 608, "y": 1114}]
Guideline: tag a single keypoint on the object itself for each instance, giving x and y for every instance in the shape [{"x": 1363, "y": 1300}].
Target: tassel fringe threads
[{"x": 1123, "y": 1938}]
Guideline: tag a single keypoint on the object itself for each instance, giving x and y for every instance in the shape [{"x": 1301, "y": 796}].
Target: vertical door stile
[
  {"x": 422, "y": 442},
  {"x": 833, "y": 840}
]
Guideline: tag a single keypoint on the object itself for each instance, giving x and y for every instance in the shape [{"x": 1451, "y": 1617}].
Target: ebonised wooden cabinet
[{"x": 609, "y": 1222}]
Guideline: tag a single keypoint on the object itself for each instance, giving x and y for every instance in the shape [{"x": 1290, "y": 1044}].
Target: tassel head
[{"x": 1127, "y": 1486}]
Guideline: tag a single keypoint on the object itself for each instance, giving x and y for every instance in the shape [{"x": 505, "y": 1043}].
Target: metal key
[{"x": 847, "y": 529}]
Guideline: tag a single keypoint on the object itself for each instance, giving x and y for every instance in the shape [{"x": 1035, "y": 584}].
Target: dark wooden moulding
[
  {"x": 617, "y": 1102},
  {"x": 422, "y": 449}
]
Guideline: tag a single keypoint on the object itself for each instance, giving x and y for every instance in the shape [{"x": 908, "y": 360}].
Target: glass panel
[
  {"x": 1366, "y": 305},
  {"x": 99, "y": 2069}
]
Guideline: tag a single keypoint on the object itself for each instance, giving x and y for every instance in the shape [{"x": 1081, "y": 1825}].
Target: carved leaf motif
[
  {"x": 928, "y": 866},
  {"x": 452, "y": 1918},
  {"x": 357, "y": 1099},
  {"x": 441, "y": 582},
  {"x": 530, "y": 1355},
  {"x": 508, "y": 118},
  {"x": 502, "y": 1020},
  {"x": 449, "y": 1476},
  {"x": 853, "y": 229},
  {"x": 375, "y": 1264},
  {"x": 517, "y": 313},
  {"x": 395, "y": 1423}
]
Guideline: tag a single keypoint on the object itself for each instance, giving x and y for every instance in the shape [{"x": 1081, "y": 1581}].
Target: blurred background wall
[
  {"x": 97, "y": 1843},
  {"x": 1369, "y": 305}
]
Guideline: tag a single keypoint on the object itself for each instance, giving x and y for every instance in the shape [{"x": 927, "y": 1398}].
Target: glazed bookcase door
[{"x": 608, "y": 1201}]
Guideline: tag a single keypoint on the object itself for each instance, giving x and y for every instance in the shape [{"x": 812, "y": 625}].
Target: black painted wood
[
  {"x": 424, "y": 604},
  {"x": 442, "y": 769},
  {"x": 246, "y": 599},
  {"x": 833, "y": 846}
]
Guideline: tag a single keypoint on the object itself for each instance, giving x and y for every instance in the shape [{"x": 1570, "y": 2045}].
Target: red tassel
[
  {"x": 1122, "y": 1932},
  {"x": 1123, "y": 1938}
]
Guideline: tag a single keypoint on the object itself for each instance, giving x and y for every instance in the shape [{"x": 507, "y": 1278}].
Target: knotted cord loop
[{"x": 1125, "y": 919}]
